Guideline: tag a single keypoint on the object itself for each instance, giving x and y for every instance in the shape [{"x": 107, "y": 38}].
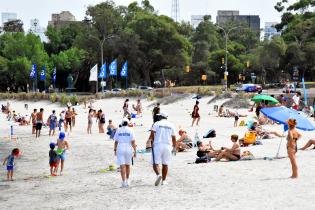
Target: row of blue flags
[
  {"x": 113, "y": 70},
  {"x": 102, "y": 74},
  {"x": 33, "y": 73}
]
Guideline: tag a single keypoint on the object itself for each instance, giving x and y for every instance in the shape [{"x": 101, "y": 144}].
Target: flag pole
[{"x": 96, "y": 80}]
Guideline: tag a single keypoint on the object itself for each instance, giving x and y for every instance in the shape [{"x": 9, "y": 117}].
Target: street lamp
[
  {"x": 226, "y": 34},
  {"x": 101, "y": 44}
]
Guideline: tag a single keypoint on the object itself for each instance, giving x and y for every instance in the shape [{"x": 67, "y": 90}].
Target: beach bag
[
  {"x": 247, "y": 155},
  {"x": 250, "y": 138},
  {"x": 203, "y": 159},
  {"x": 210, "y": 134}
]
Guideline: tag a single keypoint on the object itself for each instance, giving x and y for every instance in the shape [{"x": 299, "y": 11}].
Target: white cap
[{"x": 163, "y": 114}]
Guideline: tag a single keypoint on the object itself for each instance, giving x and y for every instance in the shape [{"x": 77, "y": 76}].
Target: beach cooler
[{"x": 250, "y": 138}]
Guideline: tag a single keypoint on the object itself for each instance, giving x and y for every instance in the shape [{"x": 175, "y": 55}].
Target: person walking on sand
[
  {"x": 74, "y": 114},
  {"x": 68, "y": 118},
  {"x": 62, "y": 146},
  {"x": 125, "y": 149},
  {"x": 39, "y": 122},
  {"x": 164, "y": 139},
  {"x": 90, "y": 121},
  {"x": 9, "y": 160},
  {"x": 101, "y": 121},
  {"x": 52, "y": 123},
  {"x": 195, "y": 114},
  {"x": 236, "y": 118},
  {"x": 155, "y": 112},
  {"x": 293, "y": 136},
  {"x": 33, "y": 120},
  {"x": 126, "y": 108}
]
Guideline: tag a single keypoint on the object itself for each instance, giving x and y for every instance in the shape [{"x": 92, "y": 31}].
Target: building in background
[
  {"x": 226, "y": 16},
  {"x": 62, "y": 19},
  {"x": 196, "y": 20},
  {"x": 36, "y": 29},
  {"x": 270, "y": 30},
  {"x": 8, "y": 16}
]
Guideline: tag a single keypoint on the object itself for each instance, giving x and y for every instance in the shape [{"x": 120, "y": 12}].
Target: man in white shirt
[
  {"x": 164, "y": 139},
  {"x": 296, "y": 101},
  {"x": 125, "y": 149}
]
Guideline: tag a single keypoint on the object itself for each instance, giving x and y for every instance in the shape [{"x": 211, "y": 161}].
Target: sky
[{"x": 42, "y": 9}]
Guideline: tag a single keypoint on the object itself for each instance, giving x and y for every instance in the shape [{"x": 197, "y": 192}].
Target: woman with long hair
[{"x": 293, "y": 136}]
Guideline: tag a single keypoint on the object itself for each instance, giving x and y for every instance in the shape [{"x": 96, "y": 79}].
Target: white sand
[{"x": 257, "y": 184}]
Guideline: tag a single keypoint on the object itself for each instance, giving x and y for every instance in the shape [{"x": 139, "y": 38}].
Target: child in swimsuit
[
  {"x": 62, "y": 146},
  {"x": 10, "y": 163},
  {"x": 52, "y": 159}
]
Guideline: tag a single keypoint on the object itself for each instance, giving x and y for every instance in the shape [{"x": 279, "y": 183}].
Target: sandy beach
[{"x": 255, "y": 184}]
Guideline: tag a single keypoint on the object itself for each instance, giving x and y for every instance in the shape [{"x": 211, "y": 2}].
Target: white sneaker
[
  {"x": 123, "y": 185},
  {"x": 158, "y": 180},
  {"x": 164, "y": 183},
  {"x": 127, "y": 183}
]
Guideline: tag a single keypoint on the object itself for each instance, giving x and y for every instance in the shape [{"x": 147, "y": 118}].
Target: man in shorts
[
  {"x": 33, "y": 120},
  {"x": 68, "y": 118},
  {"x": 52, "y": 123},
  {"x": 39, "y": 122},
  {"x": 164, "y": 139}
]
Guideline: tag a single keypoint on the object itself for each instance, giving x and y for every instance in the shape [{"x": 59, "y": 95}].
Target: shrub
[
  {"x": 63, "y": 99},
  {"x": 53, "y": 97}
]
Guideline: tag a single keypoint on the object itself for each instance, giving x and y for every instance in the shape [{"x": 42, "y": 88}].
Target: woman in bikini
[
  {"x": 232, "y": 154},
  {"x": 293, "y": 136},
  {"x": 90, "y": 121},
  {"x": 195, "y": 114}
]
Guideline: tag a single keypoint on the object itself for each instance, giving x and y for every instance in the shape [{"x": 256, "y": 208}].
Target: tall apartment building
[
  {"x": 8, "y": 16},
  {"x": 251, "y": 21},
  {"x": 61, "y": 19},
  {"x": 196, "y": 20},
  {"x": 270, "y": 30}
]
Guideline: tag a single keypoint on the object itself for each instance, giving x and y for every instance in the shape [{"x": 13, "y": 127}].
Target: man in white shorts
[
  {"x": 125, "y": 149},
  {"x": 163, "y": 137}
]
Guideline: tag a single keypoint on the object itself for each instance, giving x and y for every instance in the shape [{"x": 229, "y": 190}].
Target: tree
[{"x": 13, "y": 26}]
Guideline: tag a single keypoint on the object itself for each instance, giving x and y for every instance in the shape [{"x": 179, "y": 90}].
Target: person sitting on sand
[
  {"x": 232, "y": 154},
  {"x": 138, "y": 107},
  {"x": 184, "y": 142},
  {"x": 62, "y": 146},
  {"x": 221, "y": 111},
  {"x": 309, "y": 144},
  {"x": 111, "y": 129}
]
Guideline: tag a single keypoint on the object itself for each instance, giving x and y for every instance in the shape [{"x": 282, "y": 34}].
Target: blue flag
[
  {"x": 102, "y": 74},
  {"x": 33, "y": 73},
  {"x": 124, "y": 70},
  {"x": 54, "y": 74},
  {"x": 113, "y": 68},
  {"x": 43, "y": 74}
]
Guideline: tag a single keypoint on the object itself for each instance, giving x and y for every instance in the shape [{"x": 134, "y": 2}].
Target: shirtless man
[
  {"x": 68, "y": 118},
  {"x": 33, "y": 120},
  {"x": 39, "y": 122},
  {"x": 62, "y": 146}
]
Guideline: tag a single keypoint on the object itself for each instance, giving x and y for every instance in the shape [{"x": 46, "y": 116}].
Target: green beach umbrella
[{"x": 261, "y": 98}]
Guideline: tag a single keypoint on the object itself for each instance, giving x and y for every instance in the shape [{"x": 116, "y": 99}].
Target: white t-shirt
[
  {"x": 124, "y": 135},
  {"x": 296, "y": 99},
  {"x": 164, "y": 130}
]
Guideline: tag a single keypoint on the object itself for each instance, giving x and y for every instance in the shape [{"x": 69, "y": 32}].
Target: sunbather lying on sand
[
  {"x": 263, "y": 132},
  {"x": 206, "y": 149}
]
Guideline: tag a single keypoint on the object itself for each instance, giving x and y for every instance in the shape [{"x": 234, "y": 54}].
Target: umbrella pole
[{"x": 277, "y": 155}]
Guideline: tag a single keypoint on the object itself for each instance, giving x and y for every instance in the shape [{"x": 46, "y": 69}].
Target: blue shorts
[
  {"x": 52, "y": 126},
  {"x": 10, "y": 168},
  {"x": 62, "y": 156}
]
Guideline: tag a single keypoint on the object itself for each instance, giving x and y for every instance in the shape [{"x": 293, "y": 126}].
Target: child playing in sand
[
  {"x": 230, "y": 154},
  {"x": 10, "y": 163},
  {"x": 62, "y": 146},
  {"x": 52, "y": 159}
]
